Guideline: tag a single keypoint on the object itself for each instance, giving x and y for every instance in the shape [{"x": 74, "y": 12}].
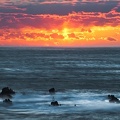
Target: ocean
[{"x": 82, "y": 78}]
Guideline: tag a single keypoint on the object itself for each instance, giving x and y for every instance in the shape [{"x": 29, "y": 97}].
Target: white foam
[{"x": 71, "y": 101}]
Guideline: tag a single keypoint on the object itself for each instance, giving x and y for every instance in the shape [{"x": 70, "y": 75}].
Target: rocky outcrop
[
  {"x": 6, "y": 94},
  {"x": 7, "y": 91},
  {"x": 54, "y": 103},
  {"x": 113, "y": 99},
  {"x": 52, "y": 90}
]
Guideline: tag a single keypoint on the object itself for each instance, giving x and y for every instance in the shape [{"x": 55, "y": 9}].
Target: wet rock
[
  {"x": 113, "y": 99},
  {"x": 7, "y": 91},
  {"x": 54, "y": 103},
  {"x": 52, "y": 90}
]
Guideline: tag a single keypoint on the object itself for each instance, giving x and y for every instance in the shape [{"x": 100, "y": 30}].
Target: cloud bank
[{"x": 60, "y": 23}]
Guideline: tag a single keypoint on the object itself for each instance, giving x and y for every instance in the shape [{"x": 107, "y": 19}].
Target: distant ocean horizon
[{"x": 82, "y": 78}]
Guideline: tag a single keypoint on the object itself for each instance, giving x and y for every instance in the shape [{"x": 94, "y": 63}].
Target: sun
[{"x": 65, "y": 33}]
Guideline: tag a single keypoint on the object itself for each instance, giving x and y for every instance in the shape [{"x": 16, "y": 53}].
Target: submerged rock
[
  {"x": 5, "y": 96},
  {"x": 113, "y": 99},
  {"x": 7, "y": 101}
]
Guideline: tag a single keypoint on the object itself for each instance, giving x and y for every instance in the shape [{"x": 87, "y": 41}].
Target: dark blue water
[{"x": 81, "y": 76}]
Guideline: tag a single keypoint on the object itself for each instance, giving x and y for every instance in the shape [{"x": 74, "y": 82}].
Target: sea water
[{"x": 82, "y": 78}]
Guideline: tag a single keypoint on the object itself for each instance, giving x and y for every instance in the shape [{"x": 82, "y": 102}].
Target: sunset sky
[{"x": 60, "y": 23}]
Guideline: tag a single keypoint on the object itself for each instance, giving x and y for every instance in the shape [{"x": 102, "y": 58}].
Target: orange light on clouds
[
  {"x": 82, "y": 29},
  {"x": 94, "y": 36}
]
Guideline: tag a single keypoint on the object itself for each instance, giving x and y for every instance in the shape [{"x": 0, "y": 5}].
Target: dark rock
[
  {"x": 7, "y": 91},
  {"x": 113, "y": 99},
  {"x": 54, "y": 103},
  {"x": 52, "y": 90}
]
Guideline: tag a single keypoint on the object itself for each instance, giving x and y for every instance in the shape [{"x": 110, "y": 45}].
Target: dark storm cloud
[
  {"x": 47, "y": 14},
  {"x": 11, "y": 9},
  {"x": 62, "y": 7},
  {"x": 48, "y": 21},
  {"x": 25, "y": 20}
]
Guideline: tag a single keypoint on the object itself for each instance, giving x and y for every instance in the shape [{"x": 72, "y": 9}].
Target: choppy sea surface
[{"x": 82, "y": 77}]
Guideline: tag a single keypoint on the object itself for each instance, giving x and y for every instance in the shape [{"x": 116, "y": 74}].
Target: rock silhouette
[
  {"x": 7, "y": 91},
  {"x": 113, "y": 99},
  {"x": 54, "y": 103},
  {"x": 52, "y": 90},
  {"x": 6, "y": 94}
]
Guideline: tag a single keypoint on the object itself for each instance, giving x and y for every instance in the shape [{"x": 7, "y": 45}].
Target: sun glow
[
  {"x": 68, "y": 36},
  {"x": 65, "y": 33},
  {"x": 60, "y": 23}
]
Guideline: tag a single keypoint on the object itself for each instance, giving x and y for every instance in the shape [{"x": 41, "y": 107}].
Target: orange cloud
[
  {"x": 75, "y": 29},
  {"x": 99, "y": 36},
  {"x": 111, "y": 39}
]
